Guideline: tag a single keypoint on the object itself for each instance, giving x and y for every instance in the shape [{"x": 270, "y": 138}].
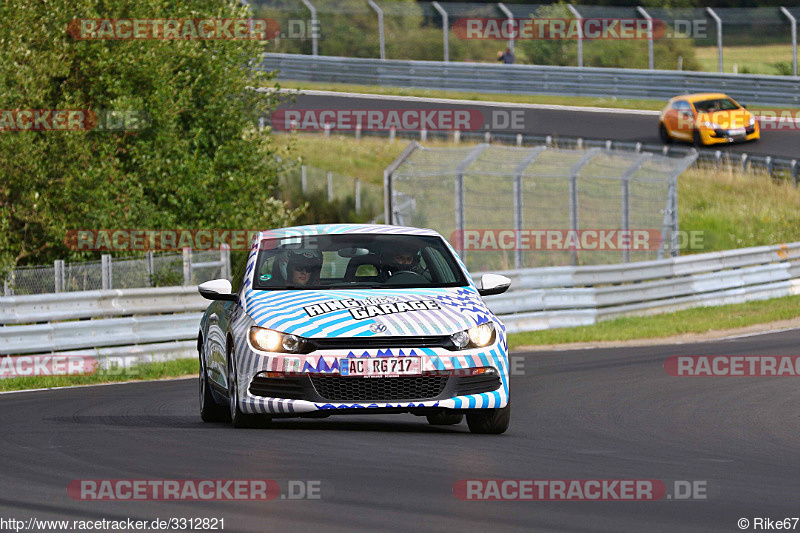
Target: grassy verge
[
  {"x": 758, "y": 59},
  {"x": 731, "y": 208},
  {"x": 145, "y": 372},
  {"x": 699, "y": 320},
  {"x": 583, "y": 101}
]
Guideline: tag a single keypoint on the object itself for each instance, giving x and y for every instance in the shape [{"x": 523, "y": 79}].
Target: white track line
[{"x": 468, "y": 102}]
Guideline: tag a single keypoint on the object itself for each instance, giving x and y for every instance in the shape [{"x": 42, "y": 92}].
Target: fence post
[
  {"x": 150, "y": 267},
  {"x": 507, "y": 12},
  {"x": 793, "y": 21},
  {"x": 106, "y": 272},
  {"x": 445, "y": 30},
  {"x": 7, "y": 288},
  {"x": 719, "y": 35},
  {"x": 225, "y": 258},
  {"x": 573, "y": 196},
  {"x": 358, "y": 196},
  {"x": 303, "y": 179},
  {"x": 392, "y": 133},
  {"x": 650, "y": 57},
  {"x": 381, "y": 37},
  {"x": 794, "y": 171},
  {"x": 580, "y": 33},
  {"x": 329, "y": 175},
  {"x": 187, "y": 266},
  {"x": 58, "y": 270},
  {"x": 314, "y": 27}
]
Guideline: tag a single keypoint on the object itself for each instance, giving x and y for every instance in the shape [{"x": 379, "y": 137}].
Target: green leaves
[{"x": 200, "y": 164}]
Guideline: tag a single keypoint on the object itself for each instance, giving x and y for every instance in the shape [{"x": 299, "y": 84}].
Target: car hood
[
  {"x": 367, "y": 313},
  {"x": 736, "y": 118}
]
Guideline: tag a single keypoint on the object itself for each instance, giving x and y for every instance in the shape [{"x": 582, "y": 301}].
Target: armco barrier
[
  {"x": 533, "y": 79},
  {"x": 162, "y": 323}
]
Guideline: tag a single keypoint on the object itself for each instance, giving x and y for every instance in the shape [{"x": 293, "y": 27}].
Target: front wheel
[
  {"x": 210, "y": 410},
  {"x": 698, "y": 139},
  {"x": 664, "y": 134},
  {"x": 237, "y": 417},
  {"x": 490, "y": 421}
]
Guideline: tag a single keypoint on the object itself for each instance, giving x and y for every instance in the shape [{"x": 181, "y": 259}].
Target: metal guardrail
[
  {"x": 550, "y": 297},
  {"x": 534, "y": 79},
  {"x": 540, "y": 298}
]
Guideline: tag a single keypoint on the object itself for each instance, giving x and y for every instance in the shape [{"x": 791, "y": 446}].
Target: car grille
[
  {"x": 477, "y": 384},
  {"x": 366, "y": 343},
  {"x": 289, "y": 388},
  {"x": 358, "y": 389}
]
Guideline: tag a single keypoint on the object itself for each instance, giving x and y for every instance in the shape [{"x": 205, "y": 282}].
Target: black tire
[
  {"x": 444, "y": 418},
  {"x": 662, "y": 132},
  {"x": 237, "y": 417},
  {"x": 697, "y": 139},
  {"x": 210, "y": 410},
  {"x": 490, "y": 421}
]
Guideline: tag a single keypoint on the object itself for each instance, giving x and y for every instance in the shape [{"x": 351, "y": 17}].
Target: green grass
[
  {"x": 583, "y": 101},
  {"x": 732, "y": 209},
  {"x": 148, "y": 371},
  {"x": 698, "y": 320},
  {"x": 758, "y": 59}
]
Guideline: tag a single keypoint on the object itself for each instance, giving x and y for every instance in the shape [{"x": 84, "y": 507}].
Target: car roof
[
  {"x": 322, "y": 229},
  {"x": 696, "y": 97}
]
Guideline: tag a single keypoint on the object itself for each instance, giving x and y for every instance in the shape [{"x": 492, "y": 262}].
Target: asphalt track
[
  {"x": 616, "y": 125},
  {"x": 585, "y": 414}
]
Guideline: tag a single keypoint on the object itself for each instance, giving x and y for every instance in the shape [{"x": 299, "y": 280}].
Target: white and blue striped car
[{"x": 345, "y": 318}]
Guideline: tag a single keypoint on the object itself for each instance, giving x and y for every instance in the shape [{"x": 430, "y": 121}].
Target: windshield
[
  {"x": 717, "y": 104},
  {"x": 356, "y": 262}
]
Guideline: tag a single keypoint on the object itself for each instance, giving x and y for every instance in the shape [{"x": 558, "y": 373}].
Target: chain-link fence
[
  {"x": 505, "y": 207},
  {"x": 305, "y": 180},
  {"x": 681, "y": 38},
  {"x": 152, "y": 270}
]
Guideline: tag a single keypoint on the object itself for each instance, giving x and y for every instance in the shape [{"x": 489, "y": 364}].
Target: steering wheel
[{"x": 406, "y": 276}]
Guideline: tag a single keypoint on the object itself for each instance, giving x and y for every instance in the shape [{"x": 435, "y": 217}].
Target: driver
[
  {"x": 404, "y": 257},
  {"x": 300, "y": 267}
]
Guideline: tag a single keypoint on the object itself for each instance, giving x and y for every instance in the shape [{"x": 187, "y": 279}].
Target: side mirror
[
  {"x": 493, "y": 284},
  {"x": 743, "y": 106},
  {"x": 217, "y": 289}
]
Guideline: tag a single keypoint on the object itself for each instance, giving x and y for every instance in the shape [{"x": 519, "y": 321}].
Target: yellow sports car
[{"x": 707, "y": 118}]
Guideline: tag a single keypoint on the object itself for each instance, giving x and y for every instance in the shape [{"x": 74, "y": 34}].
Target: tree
[{"x": 199, "y": 162}]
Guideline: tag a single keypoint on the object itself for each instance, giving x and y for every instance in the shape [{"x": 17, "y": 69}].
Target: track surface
[
  {"x": 606, "y": 414},
  {"x": 633, "y": 127}
]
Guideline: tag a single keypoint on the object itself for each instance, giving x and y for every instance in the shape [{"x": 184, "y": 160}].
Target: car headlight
[
  {"x": 752, "y": 121},
  {"x": 270, "y": 340},
  {"x": 475, "y": 337},
  {"x": 712, "y": 125}
]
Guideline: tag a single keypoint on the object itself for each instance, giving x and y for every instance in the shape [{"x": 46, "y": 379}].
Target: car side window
[{"x": 239, "y": 268}]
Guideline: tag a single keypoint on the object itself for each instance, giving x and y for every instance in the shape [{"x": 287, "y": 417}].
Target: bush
[{"x": 200, "y": 163}]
